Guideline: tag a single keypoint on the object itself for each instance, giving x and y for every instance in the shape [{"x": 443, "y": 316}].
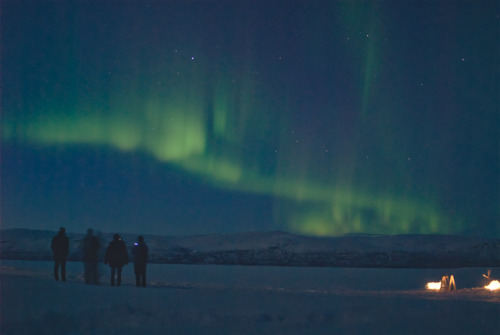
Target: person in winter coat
[
  {"x": 90, "y": 247},
  {"x": 60, "y": 249},
  {"x": 116, "y": 256},
  {"x": 140, "y": 255}
]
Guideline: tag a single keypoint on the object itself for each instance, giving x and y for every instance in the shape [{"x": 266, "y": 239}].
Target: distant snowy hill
[{"x": 279, "y": 248}]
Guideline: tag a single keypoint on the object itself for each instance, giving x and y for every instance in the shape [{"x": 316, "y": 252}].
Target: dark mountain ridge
[{"x": 278, "y": 248}]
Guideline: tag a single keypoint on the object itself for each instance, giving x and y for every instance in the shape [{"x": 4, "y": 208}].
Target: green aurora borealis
[
  {"x": 325, "y": 108},
  {"x": 178, "y": 134}
]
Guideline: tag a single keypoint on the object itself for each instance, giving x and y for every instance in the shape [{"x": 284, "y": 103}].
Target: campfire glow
[
  {"x": 447, "y": 283},
  {"x": 434, "y": 286},
  {"x": 494, "y": 285}
]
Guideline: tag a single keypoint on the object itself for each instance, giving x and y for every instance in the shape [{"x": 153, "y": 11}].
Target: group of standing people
[{"x": 116, "y": 256}]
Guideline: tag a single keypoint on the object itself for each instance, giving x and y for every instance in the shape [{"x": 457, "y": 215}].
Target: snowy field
[{"x": 211, "y": 299}]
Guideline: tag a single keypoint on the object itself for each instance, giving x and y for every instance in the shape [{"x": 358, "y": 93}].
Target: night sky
[{"x": 193, "y": 117}]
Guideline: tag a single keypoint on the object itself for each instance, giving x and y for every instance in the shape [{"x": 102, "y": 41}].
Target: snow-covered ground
[{"x": 219, "y": 299}]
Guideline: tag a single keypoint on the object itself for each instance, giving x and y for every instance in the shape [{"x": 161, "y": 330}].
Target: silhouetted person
[
  {"x": 60, "y": 249},
  {"x": 116, "y": 256},
  {"x": 90, "y": 247},
  {"x": 140, "y": 255}
]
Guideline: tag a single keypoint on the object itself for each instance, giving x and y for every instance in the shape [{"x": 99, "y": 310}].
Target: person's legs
[
  {"x": 86, "y": 266},
  {"x": 143, "y": 275},
  {"x": 63, "y": 270},
  {"x": 144, "y": 278},
  {"x": 137, "y": 275},
  {"x": 93, "y": 273},
  {"x": 119, "y": 275},
  {"x": 137, "y": 279},
  {"x": 140, "y": 274},
  {"x": 113, "y": 271},
  {"x": 56, "y": 269}
]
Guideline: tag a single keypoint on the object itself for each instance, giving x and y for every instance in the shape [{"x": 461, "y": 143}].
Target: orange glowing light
[
  {"x": 447, "y": 283},
  {"x": 493, "y": 286},
  {"x": 434, "y": 286}
]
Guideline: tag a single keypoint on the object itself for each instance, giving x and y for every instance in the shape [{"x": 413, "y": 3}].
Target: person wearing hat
[
  {"x": 140, "y": 254},
  {"x": 60, "y": 249},
  {"x": 116, "y": 256}
]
